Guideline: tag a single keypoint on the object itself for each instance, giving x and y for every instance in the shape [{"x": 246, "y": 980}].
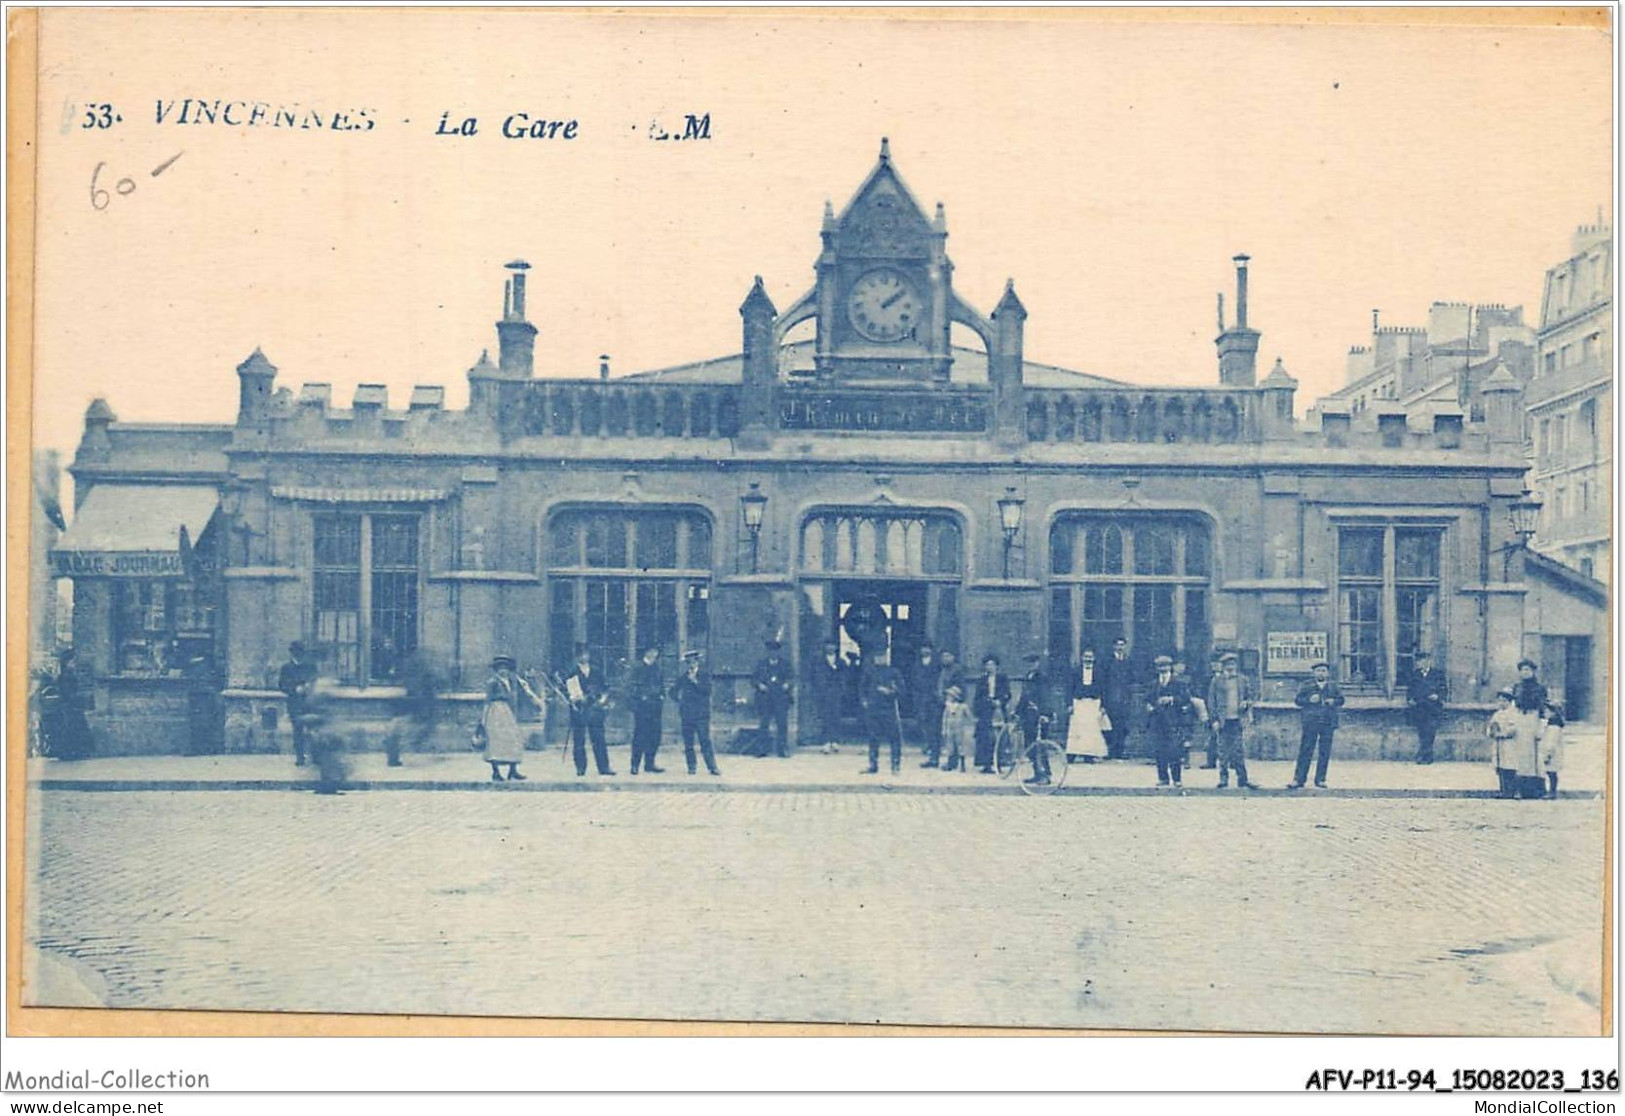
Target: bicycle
[{"x": 1012, "y": 754}]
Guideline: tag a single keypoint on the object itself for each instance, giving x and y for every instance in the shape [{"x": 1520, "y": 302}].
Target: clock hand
[{"x": 887, "y": 303}]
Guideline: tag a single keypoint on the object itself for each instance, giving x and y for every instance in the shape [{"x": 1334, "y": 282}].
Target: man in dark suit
[
  {"x": 588, "y": 691},
  {"x": 648, "y": 704},
  {"x": 990, "y": 701},
  {"x": 1117, "y": 696},
  {"x": 828, "y": 695},
  {"x": 1319, "y": 698},
  {"x": 692, "y": 693},
  {"x": 881, "y": 687},
  {"x": 1168, "y": 709},
  {"x": 772, "y": 679},
  {"x": 1426, "y": 694},
  {"x": 923, "y": 705},
  {"x": 295, "y": 679}
]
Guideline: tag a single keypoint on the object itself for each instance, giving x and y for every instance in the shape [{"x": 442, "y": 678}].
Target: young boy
[
  {"x": 958, "y": 727},
  {"x": 1503, "y": 733}
]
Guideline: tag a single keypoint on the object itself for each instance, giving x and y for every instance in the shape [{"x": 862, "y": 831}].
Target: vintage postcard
[{"x": 1090, "y": 520}]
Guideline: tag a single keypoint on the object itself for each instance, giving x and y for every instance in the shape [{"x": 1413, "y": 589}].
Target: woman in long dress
[
  {"x": 504, "y": 743},
  {"x": 1085, "y": 734},
  {"x": 1529, "y": 708}
]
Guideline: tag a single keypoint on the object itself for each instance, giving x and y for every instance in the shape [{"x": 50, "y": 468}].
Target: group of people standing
[{"x": 955, "y": 714}]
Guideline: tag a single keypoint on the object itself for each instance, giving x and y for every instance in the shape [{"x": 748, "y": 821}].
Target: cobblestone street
[{"x": 1275, "y": 914}]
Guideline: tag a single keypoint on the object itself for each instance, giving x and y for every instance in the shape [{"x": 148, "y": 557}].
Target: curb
[{"x": 537, "y": 786}]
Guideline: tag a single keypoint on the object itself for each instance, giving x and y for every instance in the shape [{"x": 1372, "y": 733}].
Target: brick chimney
[
  {"x": 1238, "y": 345},
  {"x": 516, "y": 337}
]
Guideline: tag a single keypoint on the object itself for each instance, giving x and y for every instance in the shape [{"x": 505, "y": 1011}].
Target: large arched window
[
  {"x": 621, "y": 580},
  {"x": 1144, "y": 577}
]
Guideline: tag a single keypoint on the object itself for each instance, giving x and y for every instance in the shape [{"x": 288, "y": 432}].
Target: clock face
[{"x": 883, "y": 306}]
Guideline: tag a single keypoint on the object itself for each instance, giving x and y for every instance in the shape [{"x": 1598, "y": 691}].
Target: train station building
[{"x": 872, "y": 483}]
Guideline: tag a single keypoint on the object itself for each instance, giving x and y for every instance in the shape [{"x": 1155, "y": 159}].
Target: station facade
[{"x": 872, "y": 484}]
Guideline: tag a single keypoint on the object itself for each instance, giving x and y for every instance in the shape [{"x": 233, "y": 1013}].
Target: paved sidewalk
[{"x": 808, "y": 770}]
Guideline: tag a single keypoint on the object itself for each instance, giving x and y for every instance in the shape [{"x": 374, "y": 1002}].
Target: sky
[{"x": 1112, "y": 168}]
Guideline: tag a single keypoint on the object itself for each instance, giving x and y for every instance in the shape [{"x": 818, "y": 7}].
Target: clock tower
[{"x": 884, "y": 296}]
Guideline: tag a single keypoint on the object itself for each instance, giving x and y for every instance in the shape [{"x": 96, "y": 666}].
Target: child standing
[
  {"x": 958, "y": 727},
  {"x": 1551, "y": 745},
  {"x": 1503, "y": 733}
]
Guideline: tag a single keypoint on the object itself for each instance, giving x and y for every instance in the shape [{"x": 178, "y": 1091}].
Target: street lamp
[
  {"x": 1525, "y": 512},
  {"x": 1010, "y": 506},
  {"x": 752, "y": 504}
]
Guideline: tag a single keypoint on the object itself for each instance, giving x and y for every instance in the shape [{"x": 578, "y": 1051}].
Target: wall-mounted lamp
[
  {"x": 1010, "y": 508},
  {"x": 752, "y": 505}
]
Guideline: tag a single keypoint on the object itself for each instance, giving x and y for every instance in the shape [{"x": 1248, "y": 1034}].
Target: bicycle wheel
[
  {"x": 1055, "y": 755},
  {"x": 1005, "y": 759}
]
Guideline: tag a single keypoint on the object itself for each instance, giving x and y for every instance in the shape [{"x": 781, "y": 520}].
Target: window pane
[
  {"x": 561, "y": 634},
  {"x": 699, "y": 543},
  {"x": 1359, "y": 552},
  {"x": 657, "y": 541},
  {"x": 1360, "y": 631},
  {"x": 394, "y": 542},
  {"x": 1060, "y": 547},
  {"x": 336, "y": 585},
  {"x": 606, "y": 541},
  {"x": 947, "y": 618},
  {"x": 1416, "y": 555},
  {"x": 1103, "y": 550},
  {"x": 338, "y": 541},
  {"x": 1103, "y": 619},
  {"x": 394, "y": 621},
  {"x": 657, "y": 618},
  {"x": 564, "y": 541},
  {"x": 698, "y": 621},
  {"x": 606, "y": 622},
  {"x": 1060, "y": 624},
  {"x": 1154, "y": 551},
  {"x": 1418, "y": 624},
  {"x": 1195, "y": 651},
  {"x": 1154, "y": 632},
  {"x": 1196, "y": 552}
]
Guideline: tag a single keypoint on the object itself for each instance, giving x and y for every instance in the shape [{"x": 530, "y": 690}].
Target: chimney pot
[{"x": 603, "y": 366}]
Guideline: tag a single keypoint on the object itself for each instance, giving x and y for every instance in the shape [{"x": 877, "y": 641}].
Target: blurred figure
[
  {"x": 829, "y": 685},
  {"x": 63, "y": 721},
  {"x": 322, "y": 735},
  {"x": 920, "y": 704},
  {"x": 415, "y": 710},
  {"x": 1031, "y": 709}
]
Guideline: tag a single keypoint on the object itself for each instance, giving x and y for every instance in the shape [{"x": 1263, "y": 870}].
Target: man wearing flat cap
[
  {"x": 772, "y": 680},
  {"x": 295, "y": 679},
  {"x": 1168, "y": 708},
  {"x": 588, "y": 691},
  {"x": 1229, "y": 703},
  {"x": 1319, "y": 699}
]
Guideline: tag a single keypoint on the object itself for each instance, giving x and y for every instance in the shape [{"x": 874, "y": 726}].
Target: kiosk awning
[{"x": 133, "y": 530}]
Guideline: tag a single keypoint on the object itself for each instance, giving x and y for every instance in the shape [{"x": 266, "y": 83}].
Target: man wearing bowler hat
[
  {"x": 1426, "y": 694},
  {"x": 1319, "y": 698},
  {"x": 1168, "y": 708},
  {"x": 772, "y": 680}
]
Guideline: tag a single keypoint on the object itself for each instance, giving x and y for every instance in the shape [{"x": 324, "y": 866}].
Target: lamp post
[
  {"x": 1010, "y": 506},
  {"x": 1524, "y": 513},
  {"x": 751, "y": 505}
]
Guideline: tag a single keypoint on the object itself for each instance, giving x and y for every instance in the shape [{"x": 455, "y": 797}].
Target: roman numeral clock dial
[{"x": 884, "y": 307}]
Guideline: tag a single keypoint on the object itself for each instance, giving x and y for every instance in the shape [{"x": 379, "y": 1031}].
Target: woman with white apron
[
  {"x": 504, "y": 744},
  {"x": 1085, "y": 734}
]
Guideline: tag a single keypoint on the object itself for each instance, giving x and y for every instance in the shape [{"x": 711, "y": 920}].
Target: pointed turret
[
  {"x": 1279, "y": 389},
  {"x": 255, "y": 378},
  {"x": 1004, "y": 368}
]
